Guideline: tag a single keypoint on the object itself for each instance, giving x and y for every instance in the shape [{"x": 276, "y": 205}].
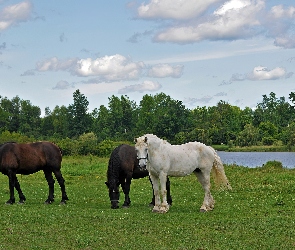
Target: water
[{"x": 257, "y": 159}]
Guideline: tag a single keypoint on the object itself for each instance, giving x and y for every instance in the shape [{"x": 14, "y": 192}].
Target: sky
[{"x": 198, "y": 52}]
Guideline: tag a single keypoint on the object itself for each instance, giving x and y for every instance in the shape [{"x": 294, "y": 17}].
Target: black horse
[
  {"x": 28, "y": 159},
  {"x": 123, "y": 166}
]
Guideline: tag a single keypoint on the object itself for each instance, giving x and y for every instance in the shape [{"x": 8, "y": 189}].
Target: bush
[
  {"x": 88, "y": 144},
  {"x": 268, "y": 140},
  {"x": 7, "y": 136},
  {"x": 69, "y": 146},
  {"x": 273, "y": 165}
]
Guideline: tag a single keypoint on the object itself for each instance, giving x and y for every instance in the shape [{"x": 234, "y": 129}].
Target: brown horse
[
  {"x": 124, "y": 166},
  {"x": 28, "y": 159}
]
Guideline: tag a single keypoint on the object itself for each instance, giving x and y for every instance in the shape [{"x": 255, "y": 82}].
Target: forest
[{"x": 80, "y": 131}]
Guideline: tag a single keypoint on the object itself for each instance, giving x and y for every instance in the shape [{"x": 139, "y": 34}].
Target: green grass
[{"x": 257, "y": 214}]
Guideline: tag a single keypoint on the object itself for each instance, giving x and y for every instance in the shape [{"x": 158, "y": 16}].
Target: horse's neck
[{"x": 157, "y": 145}]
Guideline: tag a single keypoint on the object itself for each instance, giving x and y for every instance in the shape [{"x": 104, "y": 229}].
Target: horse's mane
[
  {"x": 114, "y": 165},
  {"x": 152, "y": 136}
]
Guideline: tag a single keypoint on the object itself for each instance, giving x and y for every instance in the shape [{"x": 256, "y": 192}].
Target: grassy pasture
[{"x": 259, "y": 213}]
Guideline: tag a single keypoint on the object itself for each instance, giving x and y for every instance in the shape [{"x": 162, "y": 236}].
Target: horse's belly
[{"x": 179, "y": 173}]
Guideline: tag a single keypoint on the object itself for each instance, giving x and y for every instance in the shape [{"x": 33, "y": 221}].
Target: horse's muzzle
[
  {"x": 142, "y": 168},
  {"x": 114, "y": 204}
]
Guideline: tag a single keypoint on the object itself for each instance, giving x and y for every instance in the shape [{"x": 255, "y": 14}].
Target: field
[{"x": 257, "y": 214}]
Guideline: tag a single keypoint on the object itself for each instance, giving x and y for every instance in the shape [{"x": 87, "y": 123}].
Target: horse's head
[
  {"x": 141, "y": 148},
  {"x": 114, "y": 194}
]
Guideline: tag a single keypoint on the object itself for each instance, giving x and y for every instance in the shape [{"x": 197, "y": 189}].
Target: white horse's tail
[{"x": 218, "y": 172}]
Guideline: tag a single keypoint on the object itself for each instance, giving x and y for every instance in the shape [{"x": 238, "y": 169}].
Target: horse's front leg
[
  {"x": 155, "y": 182},
  {"x": 165, "y": 205},
  {"x": 126, "y": 190}
]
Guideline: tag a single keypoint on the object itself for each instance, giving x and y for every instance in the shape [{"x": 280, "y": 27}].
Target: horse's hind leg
[
  {"x": 61, "y": 182},
  {"x": 22, "y": 198},
  {"x": 126, "y": 190},
  {"x": 50, "y": 181},
  {"x": 169, "y": 198},
  {"x": 204, "y": 178}
]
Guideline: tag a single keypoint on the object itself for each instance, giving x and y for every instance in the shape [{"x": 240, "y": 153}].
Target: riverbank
[{"x": 254, "y": 148}]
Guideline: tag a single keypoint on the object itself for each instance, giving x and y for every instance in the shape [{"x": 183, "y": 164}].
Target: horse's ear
[
  {"x": 135, "y": 140},
  {"x": 145, "y": 139},
  {"x": 107, "y": 184}
]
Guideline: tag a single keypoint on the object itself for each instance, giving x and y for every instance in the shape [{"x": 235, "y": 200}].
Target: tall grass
[{"x": 257, "y": 214}]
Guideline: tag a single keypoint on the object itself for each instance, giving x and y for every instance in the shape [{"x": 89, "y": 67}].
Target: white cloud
[
  {"x": 145, "y": 86},
  {"x": 232, "y": 5},
  {"x": 165, "y": 70},
  {"x": 233, "y": 20},
  {"x": 278, "y": 11},
  {"x": 262, "y": 73},
  {"x": 55, "y": 64},
  {"x": 110, "y": 68},
  {"x": 193, "y": 101},
  {"x": 174, "y": 9},
  {"x": 63, "y": 85},
  {"x": 195, "y": 21},
  {"x": 14, "y": 14},
  {"x": 287, "y": 42}
]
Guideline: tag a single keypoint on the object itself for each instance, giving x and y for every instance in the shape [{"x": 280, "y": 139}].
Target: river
[{"x": 257, "y": 159}]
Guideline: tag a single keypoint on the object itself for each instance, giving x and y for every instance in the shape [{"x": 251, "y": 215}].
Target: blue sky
[{"x": 198, "y": 52}]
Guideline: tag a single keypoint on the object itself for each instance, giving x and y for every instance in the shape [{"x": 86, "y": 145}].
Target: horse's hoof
[
  {"x": 8, "y": 203},
  {"x": 62, "y": 203},
  {"x": 202, "y": 210},
  {"x": 156, "y": 209},
  {"x": 21, "y": 202},
  {"x": 164, "y": 209},
  {"x": 48, "y": 202},
  {"x": 125, "y": 206}
]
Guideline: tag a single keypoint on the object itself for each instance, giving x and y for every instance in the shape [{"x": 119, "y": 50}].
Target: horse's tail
[{"x": 218, "y": 172}]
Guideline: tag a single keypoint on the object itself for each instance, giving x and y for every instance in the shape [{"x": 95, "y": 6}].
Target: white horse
[{"x": 163, "y": 159}]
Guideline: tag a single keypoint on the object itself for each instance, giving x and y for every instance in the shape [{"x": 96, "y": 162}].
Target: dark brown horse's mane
[{"x": 114, "y": 165}]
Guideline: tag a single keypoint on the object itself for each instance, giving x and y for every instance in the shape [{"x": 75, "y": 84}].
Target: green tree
[
  {"x": 146, "y": 118},
  {"x": 288, "y": 135},
  {"x": 60, "y": 120},
  {"x": 47, "y": 126},
  {"x": 79, "y": 119},
  {"x": 12, "y": 109},
  {"x": 101, "y": 126},
  {"x": 275, "y": 110},
  {"x": 268, "y": 132},
  {"x": 248, "y": 137},
  {"x": 115, "y": 117},
  {"x": 30, "y": 120}
]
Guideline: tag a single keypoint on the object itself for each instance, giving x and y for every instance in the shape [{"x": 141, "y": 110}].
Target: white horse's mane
[{"x": 152, "y": 136}]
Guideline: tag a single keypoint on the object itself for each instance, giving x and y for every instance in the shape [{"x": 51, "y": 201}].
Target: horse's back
[
  {"x": 183, "y": 159},
  {"x": 28, "y": 158}
]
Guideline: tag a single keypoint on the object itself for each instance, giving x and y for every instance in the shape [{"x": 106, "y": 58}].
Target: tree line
[{"x": 81, "y": 131}]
